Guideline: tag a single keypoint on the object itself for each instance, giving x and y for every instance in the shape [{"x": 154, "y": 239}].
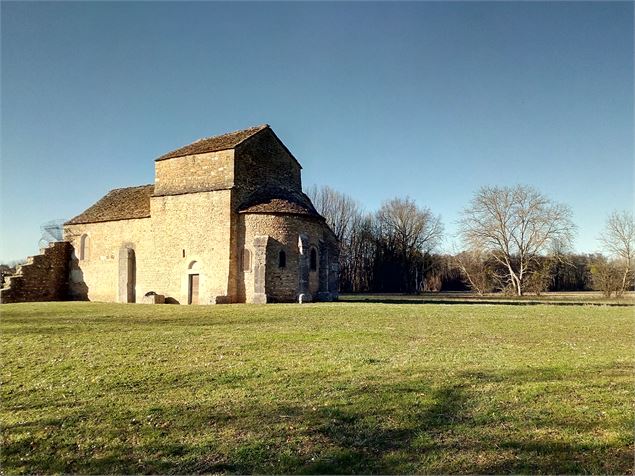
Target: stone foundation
[{"x": 44, "y": 277}]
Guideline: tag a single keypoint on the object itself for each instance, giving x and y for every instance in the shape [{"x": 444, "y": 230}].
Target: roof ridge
[
  {"x": 124, "y": 203},
  {"x": 132, "y": 186},
  {"x": 225, "y": 141},
  {"x": 259, "y": 127}
]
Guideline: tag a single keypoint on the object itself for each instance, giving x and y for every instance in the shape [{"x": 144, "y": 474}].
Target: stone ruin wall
[{"x": 44, "y": 277}]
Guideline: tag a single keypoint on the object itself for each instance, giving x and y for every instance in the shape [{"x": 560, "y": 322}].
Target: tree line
[{"x": 514, "y": 240}]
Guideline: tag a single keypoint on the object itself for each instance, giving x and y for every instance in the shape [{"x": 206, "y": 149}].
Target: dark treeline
[
  {"x": 394, "y": 250},
  {"x": 384, "y": 271}
]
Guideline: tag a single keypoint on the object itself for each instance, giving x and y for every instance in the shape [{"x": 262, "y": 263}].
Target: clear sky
[{"x": 430, "y": 100}]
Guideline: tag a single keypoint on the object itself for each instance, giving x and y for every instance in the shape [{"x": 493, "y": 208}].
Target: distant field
[
  {"x": 318, "y": 388},
  {"x": 587, "y": 297}
]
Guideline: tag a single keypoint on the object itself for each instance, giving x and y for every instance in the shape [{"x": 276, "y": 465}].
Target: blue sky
[{"x": 430, "y": 100}]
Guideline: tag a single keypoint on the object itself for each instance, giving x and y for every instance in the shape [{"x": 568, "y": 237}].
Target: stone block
[
  {"x": 153, "y": 299},
  {"x": 304, "y": 298}
]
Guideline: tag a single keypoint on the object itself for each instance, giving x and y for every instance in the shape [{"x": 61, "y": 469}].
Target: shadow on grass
[
  {"x": 361, "y": 444},
  {"x": 402, "y": 427}
]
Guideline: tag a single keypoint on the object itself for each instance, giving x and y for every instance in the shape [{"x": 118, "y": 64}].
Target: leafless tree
[
  {"x": 409, "y": 226},
  {"x": 606, "y": 275},
  {"x": 515, "y": 225},
  {"x": 474, "y": 267},
  {"x": 361, "y": 252},
  {"x": 618, "y": 240},
  {"x": 412, "y": 232},
  {"x": 339, "y": 210},
  {"x": 353, "y": 230},
  {"x": 539, "y": 279}
]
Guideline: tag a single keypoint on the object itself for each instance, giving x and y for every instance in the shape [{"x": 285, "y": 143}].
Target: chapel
[{"x": 225, "y": 221}]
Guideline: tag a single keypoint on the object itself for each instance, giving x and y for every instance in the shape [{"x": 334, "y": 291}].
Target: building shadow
[
  {"x": 400, "y": 427},
  {"x": 77, "y": 287}
]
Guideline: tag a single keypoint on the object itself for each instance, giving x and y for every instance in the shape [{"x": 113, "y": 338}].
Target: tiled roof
[
  {"x": 118, "y": 204},
  {"x": 279, "y": 200},
  {"x": 216, "y": 143}
]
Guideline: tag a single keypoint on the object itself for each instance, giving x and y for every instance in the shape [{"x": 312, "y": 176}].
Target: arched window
[
  {"x": 84, "y": 247},
  {"x": 313, "y": 259},
  {"x": 282, "y": 259},
  {"x": 246, "y": 260}
]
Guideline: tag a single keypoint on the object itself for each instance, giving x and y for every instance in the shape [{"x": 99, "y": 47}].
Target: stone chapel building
[{"x": 225, "y": 221}]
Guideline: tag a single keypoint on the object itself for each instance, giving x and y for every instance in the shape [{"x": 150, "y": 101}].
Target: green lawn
[
  {"x": 319, "y": 388},
  {"x": 560, "y": 298}
]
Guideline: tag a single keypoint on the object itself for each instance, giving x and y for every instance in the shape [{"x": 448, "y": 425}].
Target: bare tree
[
  {"x": 474, "y": 267},
  {"x": 411, "y": 233},
  {"x": 345, "y": 217},
  {"x": 540, "y": 278},
  {"x": 618, "y": 239},
  {"x": 606, "y": 275},
  {"x": 409, "y": 226},
  {"x": 339, "y": 210},
  {"x": 362, "y": 246},
  {"x": 515, "y": 225}
]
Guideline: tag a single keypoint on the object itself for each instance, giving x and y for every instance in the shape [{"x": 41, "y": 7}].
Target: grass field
[
  {"x": 323, "y": 388},
  {"x": 560, "y": 298}
]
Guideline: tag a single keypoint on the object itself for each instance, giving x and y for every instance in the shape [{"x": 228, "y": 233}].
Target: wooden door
[{"x": 193, "y": 297}]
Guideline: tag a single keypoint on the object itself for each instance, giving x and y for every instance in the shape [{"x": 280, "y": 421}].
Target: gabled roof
[
  {"x": 118, "y": 204},
  {"x": 214, "y": 144},
  {"x": 279, "y": 200}
]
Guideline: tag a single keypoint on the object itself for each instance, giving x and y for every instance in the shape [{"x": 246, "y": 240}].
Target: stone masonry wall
[
  {"x": 96, "y": 276},
  {"x": 282, "y": 284},
  {"x": 194, "y": 173},
  {"x": 263, "y": 161},
  {"x": 199, "y": 226},
  {"x": 43, "y": 278},
  {"x": 182, "y": 229}
]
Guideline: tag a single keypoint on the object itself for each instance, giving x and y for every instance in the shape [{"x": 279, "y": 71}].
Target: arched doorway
[{"x": 127, "y": 275}]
